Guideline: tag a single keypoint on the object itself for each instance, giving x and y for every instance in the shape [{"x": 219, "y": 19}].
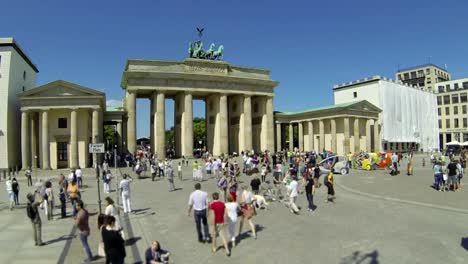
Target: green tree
[
  {"x": 170, "y": 137},
  {"x": 110, "y": 137},
  {"x": 199, "y": 131}
]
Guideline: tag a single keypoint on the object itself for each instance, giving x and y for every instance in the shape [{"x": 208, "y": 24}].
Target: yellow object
[{"x": 366, "y": 164}]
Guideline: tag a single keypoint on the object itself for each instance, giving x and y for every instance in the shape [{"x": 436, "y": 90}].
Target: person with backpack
[{"x": 33, "y": 215}]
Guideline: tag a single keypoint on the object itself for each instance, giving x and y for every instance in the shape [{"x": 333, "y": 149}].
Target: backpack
[{"x": 30, "y": 211}]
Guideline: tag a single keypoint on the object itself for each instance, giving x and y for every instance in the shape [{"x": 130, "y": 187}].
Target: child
[
  {"x": 264, "y": 172},
  {"x": 179, "y": 171}
]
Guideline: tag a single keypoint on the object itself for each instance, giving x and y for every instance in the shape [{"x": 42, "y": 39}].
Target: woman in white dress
[{"x": 231, "y": 211}]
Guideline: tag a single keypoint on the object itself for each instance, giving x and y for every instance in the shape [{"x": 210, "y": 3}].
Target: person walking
[
  {"x": 9, "y": 190},
  {"x": 33, "y": 215},
  {"x": 255, "y": 184},
  {"x": 63, "y": 203},
  {"x": 79, "y": 177},
  {"x": 170, "y": 177},
  {"x": 16, "y": 188},
  {"x": 114, "y": 244},
  {"x": 124, "y": 187},
  {"x": 232, "y": 209},
  {"x": 106, "y": 179},
  {"x": 153, "y": 170},
  {"x": 309, "y": 186},
  {"x": 395, "y": 161},
  {"x": 28, "y": 174},
  {"x": 328, "y": 181},
  {"x": 74, "y": 195},
  {"x": 112, "y": 211},
  {"x": 82, "y": 223},
  {"x": 293, "y": 190},
  {"x": 218, "y": 210},
  {"x": 194, "y": 170},
  {"x": 248, "y": 210},
  {"x": 198, "y": 201},
  {"x": 179, "y": 171},
  {"x": 50, "y": 200}
]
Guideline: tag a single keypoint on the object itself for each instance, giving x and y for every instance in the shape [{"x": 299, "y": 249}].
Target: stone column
[
  {"x": 119, "y": 137},
  {"x": 131, "y": 123},
  {"x": 160, "y": 125},
  {"x": 346, "y": 143},
  {"x": 25, "y": 145},
  {"x": 377, "y": 143},
  {"x": 291, "y": 137},
  {"x": 33, "y": 141},
  {"x": 95, "y": 132},
  {"x": 322, "y": 136},
  {"x": 187, "y": 126},
  {"x": 222, "y": 125},
  {"x": 310, "y": 127},
  {"x": 247, "y": 123},
  {"x": 270, "y": 124},
  {"x": 73, "y": 139},
  {"x": 45, "y": 140},
  {"x": 301, "y": 136},
  {"x": 368, "y": 135},
  {"x": 357, "y": 145},
  {"x": 278, "y": 137},
  {"x": 333, "y": 135}
]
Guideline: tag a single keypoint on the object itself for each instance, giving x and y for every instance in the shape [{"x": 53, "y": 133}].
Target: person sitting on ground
[{"x": 156, "y": 255}]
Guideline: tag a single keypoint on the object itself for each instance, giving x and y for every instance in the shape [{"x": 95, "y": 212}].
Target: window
[
  {"x": 439, "y": 111},
  {"x": 447, "y": 111},
  {"x": 428, "y": 71},
  {"x": 440, "y": 123},
  {"x": 447, "y": 123},
  {"x": 354, "y": 94},
  {"x": 421, "y": 84},
  {"x": 454, "y": 98},
  {"x": 465, "y": 85},
  {"x": 465, "y": 137},
  {"x": 455, "y": 123},
  {"x": 463, "y": 98},
  {"x": 463, "y": 109},
  {"x": 446, "y": 99},
  {"x": 439, "y": 100},
  {"x": 24, "y": 75},
  {"x": 421, "y": 73},
  {"x": 406, "y": 76},
  {"x": 447, "y": 87},
  {"x": 456, "y": 86},
  {"x": 62, "y": 122},
  {"x": 441, "y": 89},
  {"x": 413, "y": 75},
  {"x": 465, "y": 123},
  {"x": 455, "y": 110},
  {"x": 62, "y": 153}
]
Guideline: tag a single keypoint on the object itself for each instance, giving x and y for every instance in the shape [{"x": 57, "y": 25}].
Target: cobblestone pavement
[{"x": 357, "y": 229}]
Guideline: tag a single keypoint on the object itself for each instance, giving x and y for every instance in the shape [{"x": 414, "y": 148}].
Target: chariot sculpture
[{"x": 196, "y": 50}]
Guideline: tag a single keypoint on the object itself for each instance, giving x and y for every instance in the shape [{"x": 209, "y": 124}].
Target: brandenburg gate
[{"x": 238, "y": 100}]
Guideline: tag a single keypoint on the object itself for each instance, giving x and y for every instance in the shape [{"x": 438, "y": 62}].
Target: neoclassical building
[
  {"x": 58, "y": 121},
  {"x": 340, "y": 128}
]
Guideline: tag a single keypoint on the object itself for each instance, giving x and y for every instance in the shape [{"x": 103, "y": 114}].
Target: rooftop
[
  {"x": 422, "y": 66},
  {"x": 329, "y": 107},
  {"x": 11, "y": 42}
]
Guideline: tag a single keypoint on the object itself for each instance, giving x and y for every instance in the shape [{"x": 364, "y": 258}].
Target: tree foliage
[{"x": 110, "y": 136}]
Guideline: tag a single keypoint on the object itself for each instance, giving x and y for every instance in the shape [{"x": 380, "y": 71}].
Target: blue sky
[{"x": 308, "y": 45}]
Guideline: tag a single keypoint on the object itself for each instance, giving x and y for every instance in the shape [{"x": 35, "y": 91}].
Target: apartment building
[
  {"x": 452, "y": 104},
  {"x": 424, "y": 77}
]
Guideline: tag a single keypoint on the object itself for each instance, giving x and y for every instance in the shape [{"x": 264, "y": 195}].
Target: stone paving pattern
[{"x": 357, "y": 229}]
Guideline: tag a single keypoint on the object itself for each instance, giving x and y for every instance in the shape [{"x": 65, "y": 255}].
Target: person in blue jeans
[{"x": 82, "y": 223}]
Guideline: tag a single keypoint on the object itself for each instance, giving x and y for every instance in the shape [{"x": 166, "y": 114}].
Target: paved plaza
[{"x": 377, "y": 219}]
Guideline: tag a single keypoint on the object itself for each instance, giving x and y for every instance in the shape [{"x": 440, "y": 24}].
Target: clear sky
[{"x": 308, "y": 45}]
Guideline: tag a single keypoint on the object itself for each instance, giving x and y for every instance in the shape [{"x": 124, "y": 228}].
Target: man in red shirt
[{"x": 217, "y": 209}]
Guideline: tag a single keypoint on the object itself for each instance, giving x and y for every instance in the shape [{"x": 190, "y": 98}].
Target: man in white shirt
[
  {"x": 198, "y": 201},
  {"x": 71, "y": 176},
  {"x": 79, "y": 178},
  {"x": 124, "y": 187},
  {"x": 293, "y": 190}
]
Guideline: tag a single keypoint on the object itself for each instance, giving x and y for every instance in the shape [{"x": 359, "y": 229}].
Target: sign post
[{"x": 95, "y": 149}]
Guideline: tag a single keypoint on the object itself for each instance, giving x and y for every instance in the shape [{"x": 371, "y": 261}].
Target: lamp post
[{"x": 116, "y": 180}]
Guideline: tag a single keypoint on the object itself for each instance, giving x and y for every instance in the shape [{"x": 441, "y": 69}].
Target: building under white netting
[{"x": 409, "y": 116}]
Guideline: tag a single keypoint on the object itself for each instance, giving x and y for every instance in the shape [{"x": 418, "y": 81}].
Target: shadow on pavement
[
  {"x": 464, "y": 243},
  {"x": 132, "y": 241},
  {"x": 62, "y": 238},
  {"x": 360, "y": 258}
]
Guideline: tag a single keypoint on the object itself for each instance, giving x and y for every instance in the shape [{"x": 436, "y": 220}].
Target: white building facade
[
  {"x": 17, "y": 74},
  {"x": 409, "y": 116}
]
